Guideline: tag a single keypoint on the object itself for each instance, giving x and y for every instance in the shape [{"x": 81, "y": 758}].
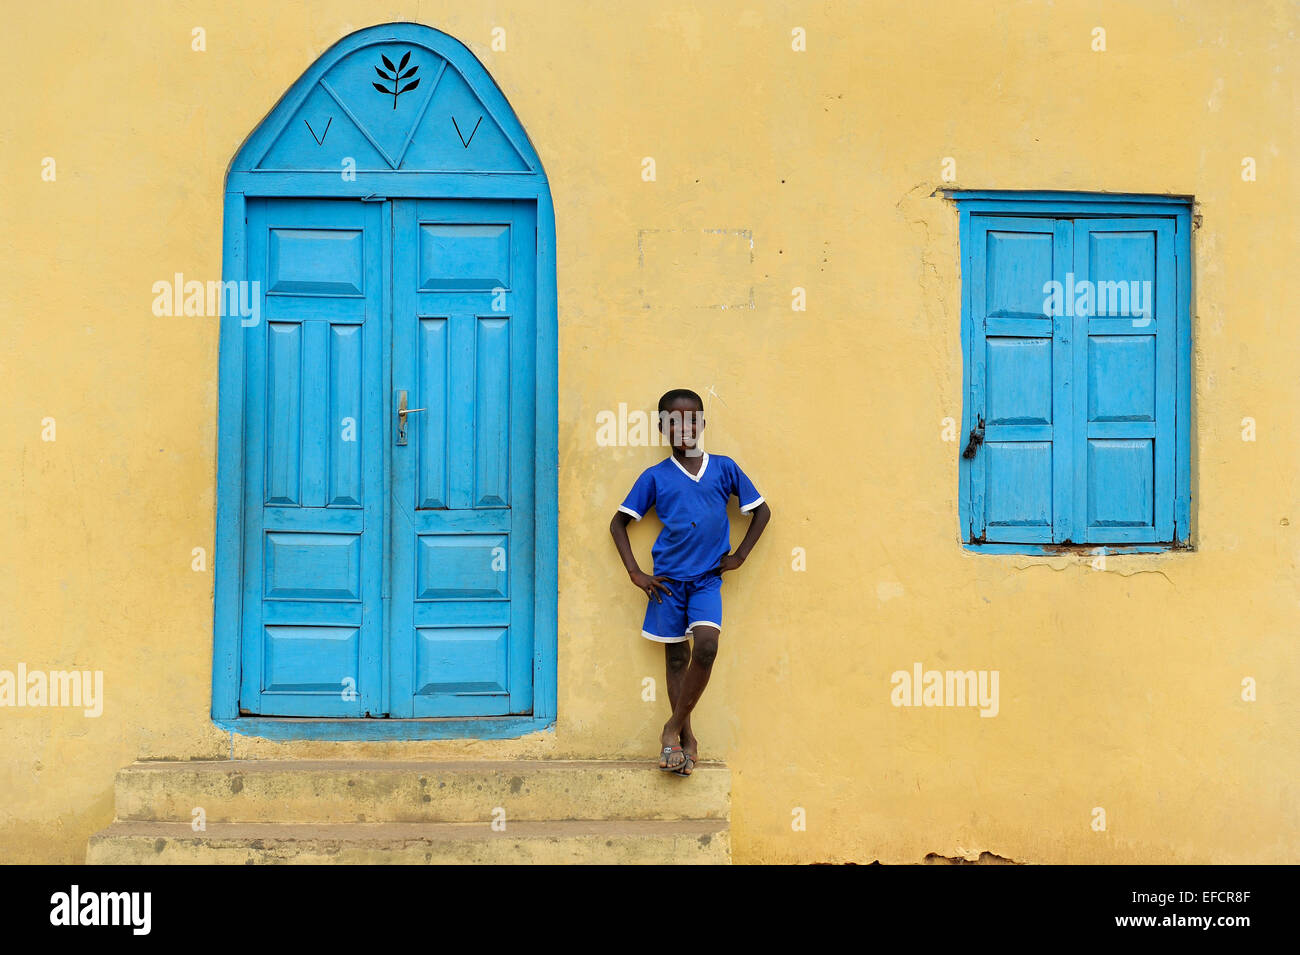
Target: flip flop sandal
[
  {"x": 666, "y": 754},
  {"x": 689, "y": 759}
]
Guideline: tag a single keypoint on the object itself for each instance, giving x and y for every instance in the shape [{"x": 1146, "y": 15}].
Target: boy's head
[{"x": 681, "y": 417}]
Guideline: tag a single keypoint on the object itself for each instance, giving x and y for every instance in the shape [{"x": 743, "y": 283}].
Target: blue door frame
[{"x": 391, "y": 113}]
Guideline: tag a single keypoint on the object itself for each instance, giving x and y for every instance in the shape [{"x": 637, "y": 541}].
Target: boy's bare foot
[
  {"x": 691, "y": 751},
  {"x": 668, "y": 740}
]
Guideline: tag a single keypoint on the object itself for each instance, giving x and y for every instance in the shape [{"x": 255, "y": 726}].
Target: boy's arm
[
  {"x": 618, "y": 530},
  {"x": 758, "y": 521}
]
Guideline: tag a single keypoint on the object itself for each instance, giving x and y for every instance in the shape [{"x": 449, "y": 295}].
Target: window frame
[{"x": 1082, "y": 205}]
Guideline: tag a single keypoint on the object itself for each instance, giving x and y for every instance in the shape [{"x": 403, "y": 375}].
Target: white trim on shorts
[
  {"x": 705, "y": 623},
  {"x": 654, "y": 636}
]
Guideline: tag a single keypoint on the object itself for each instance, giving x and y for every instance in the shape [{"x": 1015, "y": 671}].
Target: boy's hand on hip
[
  {"x": 730, "y": 562},
  {"x": 651, "y": 585}
]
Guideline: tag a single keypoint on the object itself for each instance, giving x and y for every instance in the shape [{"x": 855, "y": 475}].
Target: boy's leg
[
  {"x": 703, "y": 653},
  {"x": 704, "y": 618},
  {"x": 690, "y": 745},
  {"x": 677, "y": 657},
  {"x": 665, "y": 621}
]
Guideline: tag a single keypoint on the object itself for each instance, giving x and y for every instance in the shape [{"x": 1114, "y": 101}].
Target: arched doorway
[{"x": 386, "y": 457}]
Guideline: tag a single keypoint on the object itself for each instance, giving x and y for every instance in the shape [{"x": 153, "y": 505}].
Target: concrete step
[
  {"x": 609, "y": 842},
  {"x": 360, "y": 791}
]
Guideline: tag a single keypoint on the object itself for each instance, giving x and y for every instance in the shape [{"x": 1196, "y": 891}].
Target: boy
[{"x": 689, "y": 489}]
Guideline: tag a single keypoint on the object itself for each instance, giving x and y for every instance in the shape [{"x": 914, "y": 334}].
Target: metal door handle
[
  {"x": 976, "y": 439},
  {"x": 402, "y": 412}
]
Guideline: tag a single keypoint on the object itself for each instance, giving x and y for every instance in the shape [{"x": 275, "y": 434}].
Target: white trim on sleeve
[
  {"x": 628, "y": 510},
  {"x": 751, "y": 505}
]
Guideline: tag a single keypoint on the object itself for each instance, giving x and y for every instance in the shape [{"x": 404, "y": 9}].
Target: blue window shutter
[
  {"x": 1020, "y": 477},
  {"x": 1124, "y": 381}
]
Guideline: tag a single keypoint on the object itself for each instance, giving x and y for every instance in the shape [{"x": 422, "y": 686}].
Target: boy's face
[{"x": 682, "y": 423}]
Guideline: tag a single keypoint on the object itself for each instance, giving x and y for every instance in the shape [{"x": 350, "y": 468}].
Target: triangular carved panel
[
  {"x": 388, "y": 117},
  {"x": 394, "y": 106},
  {"x": 321, "y": 136},
  {"x": 458, "y": 133}
]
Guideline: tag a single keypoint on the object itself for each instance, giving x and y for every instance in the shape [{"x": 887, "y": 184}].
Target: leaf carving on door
[{"x": 395, "y": 75}]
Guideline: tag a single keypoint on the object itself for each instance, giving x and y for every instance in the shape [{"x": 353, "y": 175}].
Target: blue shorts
[{"x": 694, "y": 601}]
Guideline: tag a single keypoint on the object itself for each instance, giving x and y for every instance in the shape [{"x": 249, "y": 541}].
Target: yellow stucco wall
[{"x": 1119, "y": 689}]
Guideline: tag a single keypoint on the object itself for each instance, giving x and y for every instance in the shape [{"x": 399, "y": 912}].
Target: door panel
[
  {"x": 461, "y": 504},
  {"x": 313, "y": 508},
  {"x": 1124, "y": 378},
  {"x": 1020, "y": 377}
]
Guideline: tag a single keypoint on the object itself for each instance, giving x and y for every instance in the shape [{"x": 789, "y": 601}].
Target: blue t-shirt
[{"x": 693, "y": 509}]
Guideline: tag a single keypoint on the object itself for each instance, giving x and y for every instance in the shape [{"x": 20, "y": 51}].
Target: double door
[{"x": 387, "y": 565}]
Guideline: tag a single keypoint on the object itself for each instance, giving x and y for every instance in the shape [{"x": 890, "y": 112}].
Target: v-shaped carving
[
  {"x": 320, "y": 140},
  {"x": 463, "y": 141}
]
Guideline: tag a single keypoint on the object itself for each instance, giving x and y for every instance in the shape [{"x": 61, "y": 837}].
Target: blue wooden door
[
  {"x": 313, "y": 477},
  {"x": 359, "y": 572},
  {"x": 360, "y": 304},
  {"x": 1020, "y": 381},
  {"x": 462, "y": 508}
]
